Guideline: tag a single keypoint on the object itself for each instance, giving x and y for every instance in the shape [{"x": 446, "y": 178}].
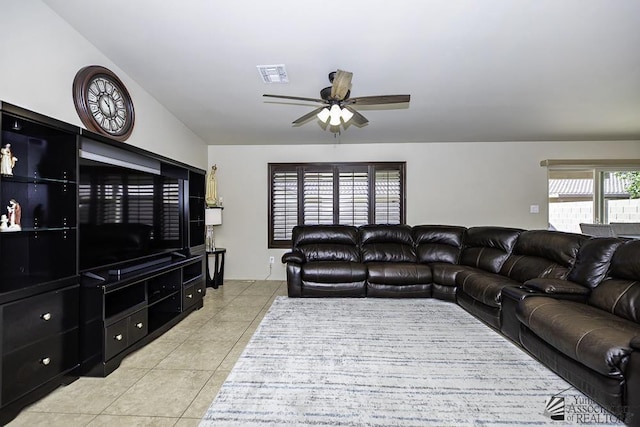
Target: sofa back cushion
[
  {"x": 619, "y": 293},
  {"x": 487, "y": 248},
  {"x": 438, "y": 243},
  {"x": 543, "y": 253},
  {"x": 387, "y": 243},
  {"x": 593, "y": 261},
  {"x": 327, "y": 242}
]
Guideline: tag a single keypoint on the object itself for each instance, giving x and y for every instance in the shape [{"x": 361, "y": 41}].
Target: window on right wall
[
  {"x": 333, "y": 193},
  {"x": 597, "y": 192}
]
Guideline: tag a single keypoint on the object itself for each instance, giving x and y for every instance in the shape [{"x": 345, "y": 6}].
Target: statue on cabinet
[
  {"x": 4, "y": 223},
  {"x": 7, "y": 160},
  {"x": 211, "y": 196},
  {"x": 15, "y": 214}
]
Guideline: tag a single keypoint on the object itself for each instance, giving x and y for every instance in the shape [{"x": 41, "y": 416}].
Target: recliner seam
[{"x": 615, "y": 304}]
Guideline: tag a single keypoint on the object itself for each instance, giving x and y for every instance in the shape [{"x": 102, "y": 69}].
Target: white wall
[
  {"x": 480, "y": 183},
  {"x": 41, "y": 54}
]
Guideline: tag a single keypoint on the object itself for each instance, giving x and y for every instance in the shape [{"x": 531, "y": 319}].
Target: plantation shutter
[
  {"x": 318, "y": 197},
  {"x": 354, "y": 194},
  {"x": 284, "y": 204},
  {"x": 353, "y": 197},
  {"x": 388, "y": 196}
]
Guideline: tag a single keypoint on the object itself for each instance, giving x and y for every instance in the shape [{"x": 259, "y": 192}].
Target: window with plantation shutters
[
  {"x": 284, "y": 204},
  {"x": 317, "y": 197},
  {"x": 354, "y": 197},
  {"x": 333, "y": 193},
  {"x": 388, "y": 196}
]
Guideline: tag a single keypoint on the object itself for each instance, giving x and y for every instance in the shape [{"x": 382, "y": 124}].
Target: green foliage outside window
[{"x": 633, "y": 183}]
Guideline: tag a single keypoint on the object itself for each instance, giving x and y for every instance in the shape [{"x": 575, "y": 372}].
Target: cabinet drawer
[
  {"x": 27, "y": 368},
  {"x": 200, "y": 288},
  {"x": 188, "y": 296},
  {"x": 38, "y": 317},
  {"x": 138, "y": 326},
  {"x": 116, "y": 338}
]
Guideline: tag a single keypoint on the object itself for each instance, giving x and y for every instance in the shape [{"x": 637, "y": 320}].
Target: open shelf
[
  {"x": 124, "y": 301},
  {"x": 196, "y": 208}
]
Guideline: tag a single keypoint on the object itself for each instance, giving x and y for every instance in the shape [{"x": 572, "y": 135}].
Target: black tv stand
[{"x": 123, "y": 312}]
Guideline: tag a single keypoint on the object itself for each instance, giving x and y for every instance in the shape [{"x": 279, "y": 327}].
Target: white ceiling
[{"x": 477, "y": 70}]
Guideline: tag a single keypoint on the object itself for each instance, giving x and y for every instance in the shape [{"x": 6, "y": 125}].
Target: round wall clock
[{"x": 103, "y": 102}]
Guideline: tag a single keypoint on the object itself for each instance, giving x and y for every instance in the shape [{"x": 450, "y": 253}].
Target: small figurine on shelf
[
  {"x": 4, "y": 223},
  {"x": 211, "y": 196},
  {"x": 7, "y": 160},
  {"x": 15, "y": 214}
]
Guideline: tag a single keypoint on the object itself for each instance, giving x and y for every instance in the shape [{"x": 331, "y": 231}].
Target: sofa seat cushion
[
  {"x": 484, "y": 287},
  {"x": 398, "y": 273},
  {"x": 445, "y": 274},
  {"x": 348, "y": 289},
  {"x": 593, "y": 337},
  {"x": 380, "y": 290},
  {"x": 334, "y": 272}
]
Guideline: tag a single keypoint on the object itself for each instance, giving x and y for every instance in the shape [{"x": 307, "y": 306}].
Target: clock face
[
  {"x": 103, "y": 103},
  {"x": 107, "y": 105}
]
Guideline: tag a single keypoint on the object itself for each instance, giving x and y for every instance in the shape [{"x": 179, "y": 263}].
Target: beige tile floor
[{"x": 172, "y": 380}]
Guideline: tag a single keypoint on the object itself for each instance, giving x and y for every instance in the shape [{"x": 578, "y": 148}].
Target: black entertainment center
[{"x": 108, "y": 255}]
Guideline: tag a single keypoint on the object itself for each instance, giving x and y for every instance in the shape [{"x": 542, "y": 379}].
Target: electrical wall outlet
[{"x": 272, "y": 260}]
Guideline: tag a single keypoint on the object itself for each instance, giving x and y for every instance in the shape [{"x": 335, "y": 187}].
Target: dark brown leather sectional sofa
[{"x": 571, "y": 301}]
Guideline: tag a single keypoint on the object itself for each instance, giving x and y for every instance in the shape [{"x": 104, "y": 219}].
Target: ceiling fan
[{"x": 337, "y": 106}]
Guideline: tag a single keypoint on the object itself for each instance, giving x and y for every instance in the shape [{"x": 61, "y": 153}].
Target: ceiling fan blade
[
  {"x": 296, "y": 98},
  {"x": 381, "y": 99},
  {"x": 341, "y": 84},
  {"x": 307, "y": 116},
  {"x": 357, "y": 119}
]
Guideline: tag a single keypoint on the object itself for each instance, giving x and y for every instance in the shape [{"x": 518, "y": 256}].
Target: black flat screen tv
[{"x": 126, "y": 215}]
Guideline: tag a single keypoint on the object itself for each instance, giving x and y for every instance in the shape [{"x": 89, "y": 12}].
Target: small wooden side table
[{"x": 218, "y": 267}]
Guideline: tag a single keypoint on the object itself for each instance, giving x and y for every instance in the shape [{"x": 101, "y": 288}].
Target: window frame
[
  {"x": 596, "y": 169},
  {"x": 336, "y": 168}
]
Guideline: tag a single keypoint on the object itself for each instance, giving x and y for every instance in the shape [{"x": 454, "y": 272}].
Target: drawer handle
[
  {"x": 45, "y": 361},
  {"x": 189, "y": 296},
  {"x": 139, "y": 325},
  {"x": 46, "y": 316},
  {"x": 199, "y": 291},
  {"x": 118, "y": 337}
]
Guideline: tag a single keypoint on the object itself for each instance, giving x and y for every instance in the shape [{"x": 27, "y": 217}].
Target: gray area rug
[{"x": 382, "y": 362}]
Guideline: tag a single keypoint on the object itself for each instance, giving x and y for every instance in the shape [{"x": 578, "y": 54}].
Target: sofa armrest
[
  {"x": 295, "y": 257},
  {"x": 520, "y": 293},
  {"x": 559, "y": 288},
  {"x": 635, "y": 342}
]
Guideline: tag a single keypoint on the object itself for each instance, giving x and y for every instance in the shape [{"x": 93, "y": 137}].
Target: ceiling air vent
[{"x": 273, "y": 73}]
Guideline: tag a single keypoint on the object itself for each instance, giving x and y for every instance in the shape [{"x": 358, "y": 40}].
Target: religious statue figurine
[
  {"x": 211, "y": 197},
  {"x": 4, "y": 226},
  {"x": 7, "y": 160},
  {"x": 15, "y": 214}
]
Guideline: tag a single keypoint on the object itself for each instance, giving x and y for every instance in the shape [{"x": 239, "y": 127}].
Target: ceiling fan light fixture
[
  {"x": 335, "y": 114},
  {"x": 323, "y": 115},
  {"x": 346, "y": 115}
]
